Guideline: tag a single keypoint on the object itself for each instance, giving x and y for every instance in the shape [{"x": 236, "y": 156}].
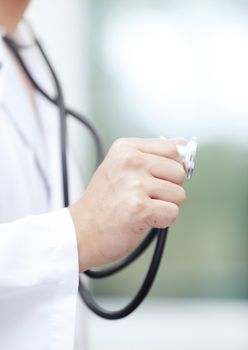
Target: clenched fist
[{"x": 138, "y": 186}]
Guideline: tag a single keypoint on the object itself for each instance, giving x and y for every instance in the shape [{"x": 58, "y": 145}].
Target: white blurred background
[{"x": 168, "y": 67}]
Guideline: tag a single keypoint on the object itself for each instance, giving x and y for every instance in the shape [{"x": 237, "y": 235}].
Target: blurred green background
[{"x": 180, "y": 68}]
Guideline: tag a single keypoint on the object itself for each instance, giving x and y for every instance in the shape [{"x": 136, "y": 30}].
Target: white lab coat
[{"x": 38, "y": 249}]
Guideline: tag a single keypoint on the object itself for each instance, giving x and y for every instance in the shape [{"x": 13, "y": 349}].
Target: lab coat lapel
[
  {"x": 20, "y": 176},
  {"x": 26, "y": 117},
  {"x": 45, "y": 131}
]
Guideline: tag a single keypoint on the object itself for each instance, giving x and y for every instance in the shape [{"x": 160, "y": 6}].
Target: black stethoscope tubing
[{"x": 159, "y": 234}]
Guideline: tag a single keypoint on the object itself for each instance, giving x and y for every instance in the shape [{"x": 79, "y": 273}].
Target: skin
[
  {"x": 11, "y": 11},
  {"x": 138, "y": 186}
]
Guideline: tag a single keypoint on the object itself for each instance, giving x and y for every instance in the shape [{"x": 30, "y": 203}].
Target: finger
[
  {"x": 165, "y": 168},
  {"x": 179, "y": 141},
  {"x": 159, "y": 147},
  {"x": 166, "y": 191},
  {"x": 162, "y": 214}
]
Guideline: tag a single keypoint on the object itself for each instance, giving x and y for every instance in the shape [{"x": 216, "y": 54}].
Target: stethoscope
[{"x": 187, "y": 152}]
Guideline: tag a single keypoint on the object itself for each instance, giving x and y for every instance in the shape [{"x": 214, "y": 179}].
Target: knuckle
[
  {"x": 126, "y": 159},
  {"x": 152, "y": 220},
  {"x": 137, "y": 205},
  {"x": 173, "y": 212},
  {"x": 119, "y": 143},
  {"x": 137, "y": 184},
  {"x": 180, "y": 174},
  {"x": 181, "y": 196},
  {"x": 163, "y": 219},
  {"x": 130, "y": 159}
]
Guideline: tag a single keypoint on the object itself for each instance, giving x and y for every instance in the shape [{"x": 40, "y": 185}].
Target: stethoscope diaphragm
[{"x": 188, "y": 154}]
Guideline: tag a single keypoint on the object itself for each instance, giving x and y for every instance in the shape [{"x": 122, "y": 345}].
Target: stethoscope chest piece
[{"x": 188, "y": 154}]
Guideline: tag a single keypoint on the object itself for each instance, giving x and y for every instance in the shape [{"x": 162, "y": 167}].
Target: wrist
[{"x": 84, "y": 237}]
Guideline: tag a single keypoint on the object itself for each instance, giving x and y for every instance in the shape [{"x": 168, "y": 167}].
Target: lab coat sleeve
[{"x": 38, "y": 282}]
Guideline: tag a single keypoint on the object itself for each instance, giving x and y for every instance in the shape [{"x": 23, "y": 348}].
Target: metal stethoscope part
[{"x": 188, "y": 154}]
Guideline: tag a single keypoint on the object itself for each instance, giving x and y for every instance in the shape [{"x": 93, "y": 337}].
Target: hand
[{"x": 138, "y": 186}]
